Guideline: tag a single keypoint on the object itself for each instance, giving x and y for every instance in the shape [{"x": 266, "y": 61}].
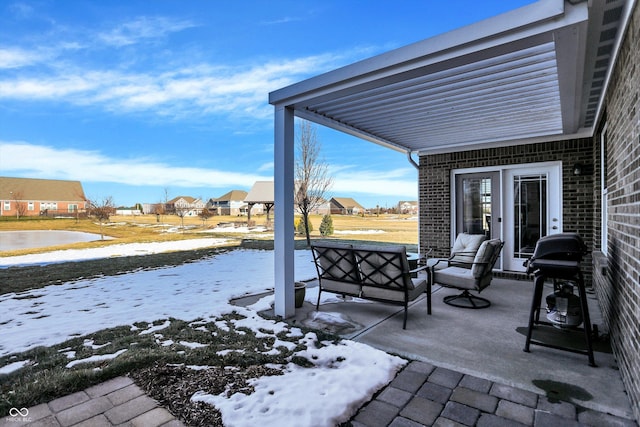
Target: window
[
  {"x": 73, "y": 208},
  {"x": 7, "y": 205},
  {"x": 603, "y": 180},
  {"x": 31, "y": 206}
]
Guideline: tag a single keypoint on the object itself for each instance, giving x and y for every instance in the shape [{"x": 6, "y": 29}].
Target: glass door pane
[
  {"x": 477, "y": 199},
  {"x": 476, "y": 206},
  {"x": 530, "y": 213}
]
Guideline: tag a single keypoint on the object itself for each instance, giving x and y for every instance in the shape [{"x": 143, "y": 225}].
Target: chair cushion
[
  {"x": 418, "y": 287},
  {"x": 483, "y": 258},
  {"x": 340, "y": 287},
  {"x": 457, "y": 277},
  {"x": 468, "y": 244}
]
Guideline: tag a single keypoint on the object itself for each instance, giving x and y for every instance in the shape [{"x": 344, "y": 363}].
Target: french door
[
  {"x": 516, "y": 204},
  {"x": 533, "y": 209}
]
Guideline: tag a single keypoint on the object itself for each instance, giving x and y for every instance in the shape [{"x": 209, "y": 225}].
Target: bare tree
[
  {"x": 182, "y": 211},
  {"x": 204, "y": 216},
  {"x": 311, "y": 173},
  {"x": 102, "y": 210},
  {"x": 21, "y": 206}
]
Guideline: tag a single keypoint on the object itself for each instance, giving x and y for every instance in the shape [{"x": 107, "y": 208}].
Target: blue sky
[{"x": 136, "y": 99}]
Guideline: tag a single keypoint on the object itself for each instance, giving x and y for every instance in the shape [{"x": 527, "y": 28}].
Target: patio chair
[
  {"x": 462, "y": 253},
  {"x": 474, "y": 276}
]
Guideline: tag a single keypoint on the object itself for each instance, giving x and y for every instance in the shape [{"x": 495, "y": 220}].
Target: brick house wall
[
  {"x": 33, "y": 197},
  {"x": 577, "y": 194},
  {"x": 614, "y": 276},
  {"x": 12, "y": 208},
  {"x": 617, "y": 275}
]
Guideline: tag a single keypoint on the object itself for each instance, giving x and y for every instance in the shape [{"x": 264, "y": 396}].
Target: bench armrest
[{"x": 415, "y": 270}]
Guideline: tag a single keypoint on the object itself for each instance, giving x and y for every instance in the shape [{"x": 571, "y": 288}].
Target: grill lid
[
  {"x": 558, "y": 254},
  {"x": 562, "y": 246}
]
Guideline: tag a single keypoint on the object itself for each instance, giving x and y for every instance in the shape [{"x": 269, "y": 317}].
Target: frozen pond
[{"x": 12, "y": 240}]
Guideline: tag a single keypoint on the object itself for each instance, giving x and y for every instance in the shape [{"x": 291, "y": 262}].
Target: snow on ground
[
  {"x": 346, "y": 375},
  {"x": 14, "y": 366},
  {"x": 119, "y": 250},
  {"x": 200, "y": 289},
  {"x": 305, "y": 396},
  {"x": 342, "y": 232}
]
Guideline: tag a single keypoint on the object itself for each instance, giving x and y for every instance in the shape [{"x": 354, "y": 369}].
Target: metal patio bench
[{"x": 378, "y": 273}]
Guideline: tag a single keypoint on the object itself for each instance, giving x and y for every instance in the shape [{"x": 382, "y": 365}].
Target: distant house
[
  {"x": 31, "y": 197},
  {"x": 231, "y": 203},
  {"x": 189, "y": 206},
  {"x": 408, "y": 207},
  {"x": 345, "y": 206},
  {"x": 129, "y": 212},
  {"x": 322, "y": 208}
]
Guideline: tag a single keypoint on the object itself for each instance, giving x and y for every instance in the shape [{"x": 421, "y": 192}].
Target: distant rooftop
[{"x": 261, "y": 192}]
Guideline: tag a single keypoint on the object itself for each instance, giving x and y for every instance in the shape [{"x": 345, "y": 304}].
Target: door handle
[{"x": 555, "y": 227}]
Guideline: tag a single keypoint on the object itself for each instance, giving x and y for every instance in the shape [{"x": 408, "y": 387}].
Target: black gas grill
[
  {"x": 557, "y": 254},
  {"x": 558, "y": 257}
]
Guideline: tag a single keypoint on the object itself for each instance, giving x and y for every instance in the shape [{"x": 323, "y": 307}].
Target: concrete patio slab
[{"x": 486, "y": 343}]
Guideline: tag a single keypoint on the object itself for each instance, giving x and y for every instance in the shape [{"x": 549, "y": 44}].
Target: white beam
[{"x": 284, "y": 305}]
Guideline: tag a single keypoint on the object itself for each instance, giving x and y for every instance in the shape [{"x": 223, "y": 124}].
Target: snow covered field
[
  {"x": 344, "y": 377},
  {"x": 117, "y": 250}
]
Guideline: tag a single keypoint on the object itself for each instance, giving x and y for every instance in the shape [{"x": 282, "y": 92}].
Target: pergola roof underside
[
  {"x": 528, "y": 81},
  {"x": 514, "y": 94}
]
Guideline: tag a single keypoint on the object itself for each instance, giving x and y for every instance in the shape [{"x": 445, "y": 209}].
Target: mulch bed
[{"x": 173, "y": 386}]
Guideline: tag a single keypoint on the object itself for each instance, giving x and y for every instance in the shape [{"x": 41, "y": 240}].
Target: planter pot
[{"x": 300, "y": 290}]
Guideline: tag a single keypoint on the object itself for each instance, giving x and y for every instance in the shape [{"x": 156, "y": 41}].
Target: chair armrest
[
  {"x": 424, "y": 258},
  {"x": 415, "y": 270},
  {"x": 439, "y": 261},
  {"x": 461, "y": 264}
]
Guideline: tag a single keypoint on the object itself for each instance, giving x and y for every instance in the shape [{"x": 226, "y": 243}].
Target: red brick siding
[
  {"x": 619, "y": 289},
  {"x": 578, "y": 205}
]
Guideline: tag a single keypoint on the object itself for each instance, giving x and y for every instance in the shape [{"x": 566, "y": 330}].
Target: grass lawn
[
  {"x": 401, "y": 229},
  {"x": 158, "y": 360}
]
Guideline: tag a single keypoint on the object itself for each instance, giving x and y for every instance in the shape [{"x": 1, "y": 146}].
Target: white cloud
[
  {"x": 80, "y": 68},
  {"x": 188, "y": 91},
  {"x": 21, "y": 10},
  {"x": 16, "y": 58},
  {"x": 401, "y": 183},
  {"x": 267, "y": 167},
  {"x": 91, "y": 166},
  {"x": 142, "y": 29},
  {"x": 284, "y": 20}
]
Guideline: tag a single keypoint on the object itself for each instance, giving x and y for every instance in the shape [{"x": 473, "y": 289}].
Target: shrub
[
  {"x": 299, "y": 224},
  {"x": 326, "y": 226}
]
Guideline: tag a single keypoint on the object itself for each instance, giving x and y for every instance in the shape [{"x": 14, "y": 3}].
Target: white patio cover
[{"x": 530, "y": 75}]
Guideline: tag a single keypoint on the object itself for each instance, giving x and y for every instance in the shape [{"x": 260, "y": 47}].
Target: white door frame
[{"x": 554, "y": 197}]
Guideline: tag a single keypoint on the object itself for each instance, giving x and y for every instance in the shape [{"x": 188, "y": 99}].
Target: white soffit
[{"x": 517, "y": 76}]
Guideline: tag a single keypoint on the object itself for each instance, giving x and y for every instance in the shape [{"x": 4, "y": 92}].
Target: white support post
[{"x": 283, "y": 194}]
